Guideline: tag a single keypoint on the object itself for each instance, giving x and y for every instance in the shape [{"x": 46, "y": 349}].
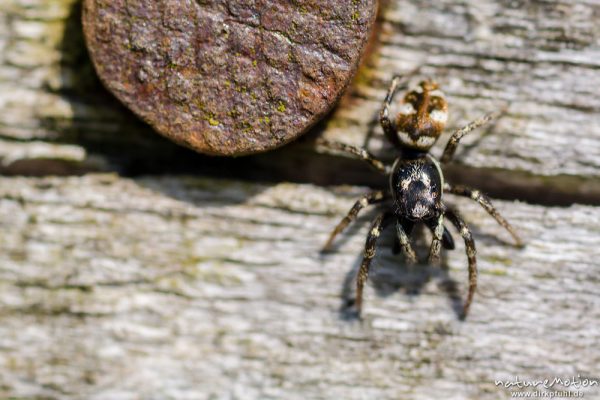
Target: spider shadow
[
  {"x": 478, "y": 135},
  {"x": 390, "y": 273},
  {"x": 365, "y": 218},
  {"x": 371, "y": 127}
]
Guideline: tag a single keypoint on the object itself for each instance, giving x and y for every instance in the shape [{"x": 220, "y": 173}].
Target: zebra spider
[{"x": 416, "y": 182}]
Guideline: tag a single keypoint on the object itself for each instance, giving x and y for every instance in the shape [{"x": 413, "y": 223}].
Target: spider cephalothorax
[
  {"x": 416, "y": 182},
  {"x": 416, "y": 188}
]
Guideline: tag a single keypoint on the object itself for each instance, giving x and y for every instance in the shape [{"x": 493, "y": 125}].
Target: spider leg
[
  {"x": 363, "y": 273},
  {"x": 486, "y": 203},
  {"x": 437, "y": 227},
  {"x": 460, "y": 133},
  {"x": 407, "y": 226},
  {"x": 465, "y": 232},
  {"x": 367, "y": 199},
  {"x": 403, "y": 229},
  {"x": 361, "y": 154},
  {"x": 447, "y": 239},
  {"x": 398, "y": 82}
]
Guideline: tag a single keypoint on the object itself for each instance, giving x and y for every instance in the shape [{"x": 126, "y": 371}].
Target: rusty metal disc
[{"x": 228, "y": 77}]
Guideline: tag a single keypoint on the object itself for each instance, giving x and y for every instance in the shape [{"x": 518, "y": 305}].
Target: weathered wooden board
[
  {"x": 191, "y": 288},
  {"x": 539, "y": 57},
  {"x": 182, "y": 287}
]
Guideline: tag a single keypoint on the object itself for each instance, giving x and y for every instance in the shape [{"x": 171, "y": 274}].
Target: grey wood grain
[
  {"x": 182, "y": 287},
  {"x": 538, "y": 57},
  {"x": 186, "y": 287}
]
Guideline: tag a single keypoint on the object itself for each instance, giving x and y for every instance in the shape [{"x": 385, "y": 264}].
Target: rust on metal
[{"x": 228, "y": 77}]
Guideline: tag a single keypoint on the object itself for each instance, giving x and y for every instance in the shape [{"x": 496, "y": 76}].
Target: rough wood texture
[
  {"x": 540, "y": 57},
  {"x": 194, "y": 288}
]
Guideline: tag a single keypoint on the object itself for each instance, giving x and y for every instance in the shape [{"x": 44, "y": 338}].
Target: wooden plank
[
  {"x": 182, "y": 287},
  {"x": 540, "y": 58}
]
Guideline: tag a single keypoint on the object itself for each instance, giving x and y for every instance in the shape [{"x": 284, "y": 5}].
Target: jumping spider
[{"x": 416, "y": 181}]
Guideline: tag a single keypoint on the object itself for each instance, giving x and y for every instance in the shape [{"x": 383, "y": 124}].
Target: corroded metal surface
[{"x": 228, "y": 77}]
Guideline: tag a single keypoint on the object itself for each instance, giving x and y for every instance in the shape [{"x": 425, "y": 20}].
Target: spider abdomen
[
  {"x": 416, "y": 187},
  {"x": 422, "y": 116}
]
